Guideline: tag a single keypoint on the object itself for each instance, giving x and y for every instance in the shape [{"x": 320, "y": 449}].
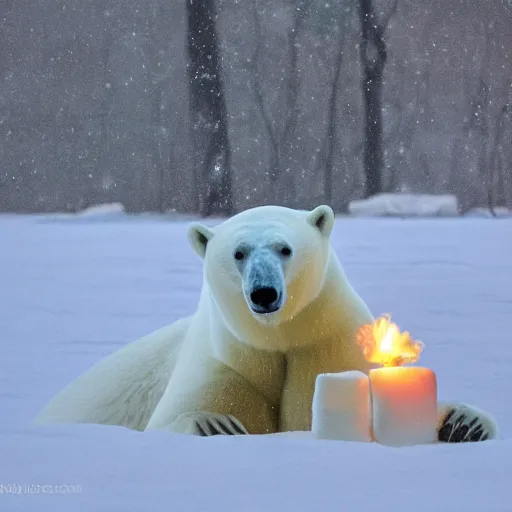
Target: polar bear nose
[{"x": 265, "y": 298}]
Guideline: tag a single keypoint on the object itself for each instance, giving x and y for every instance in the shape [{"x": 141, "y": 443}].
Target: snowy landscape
[
  {"x": 74, "y": 289},
  {"x": 121, "y": 121}
]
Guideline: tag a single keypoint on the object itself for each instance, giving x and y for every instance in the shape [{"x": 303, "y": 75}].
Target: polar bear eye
[
  {"x": 286, "y": 251},
  {"x": 239, "y": 255}
]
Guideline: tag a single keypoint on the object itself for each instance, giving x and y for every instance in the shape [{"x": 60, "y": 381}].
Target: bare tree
[
  {"x": 490, "y": 142},
  {"x": 373, "y": 55},
  {"x": 212, "y": 154},
  {"x": 332, "y": 128},
  {"x": 400, "y": 134},
  {"x": 477, "y": 127},
  {"x": 156, "y": 77},
  {"x": 410, "y": 103},
  {"x": 497, "y": 181},
  {"x": 279, "y": 133}
]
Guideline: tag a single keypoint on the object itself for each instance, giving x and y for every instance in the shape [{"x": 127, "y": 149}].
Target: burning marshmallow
[
  {"x": 395, "y": 406},
  {"x": 404, "y": 405},
  {"x": 404, "y": 399}
]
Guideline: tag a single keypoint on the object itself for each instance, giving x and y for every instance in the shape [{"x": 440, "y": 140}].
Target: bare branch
[{"x": 384, "y": 22}]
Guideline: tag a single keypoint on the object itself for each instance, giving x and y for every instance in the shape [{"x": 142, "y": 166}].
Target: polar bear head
[{"x": 265, "y": 264}]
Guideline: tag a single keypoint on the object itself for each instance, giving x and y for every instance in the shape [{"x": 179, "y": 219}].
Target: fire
[{"x": 383, "y": 343}]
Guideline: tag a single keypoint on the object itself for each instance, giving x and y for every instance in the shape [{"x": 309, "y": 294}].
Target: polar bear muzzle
[{"x": 263, "y": 282}]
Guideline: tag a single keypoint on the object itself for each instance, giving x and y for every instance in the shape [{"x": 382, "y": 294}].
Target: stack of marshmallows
[{"x": 393, "y": 406}]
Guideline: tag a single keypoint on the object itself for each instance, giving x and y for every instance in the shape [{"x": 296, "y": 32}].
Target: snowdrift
[
  {"x": 71, "y": 296},
  {"x": 405, "y": 205}
]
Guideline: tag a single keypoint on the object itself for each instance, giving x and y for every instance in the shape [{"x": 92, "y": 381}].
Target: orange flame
[{"x": 383, "y": 343}]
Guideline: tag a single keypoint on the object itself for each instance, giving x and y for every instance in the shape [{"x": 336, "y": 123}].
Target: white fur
[{"x": 225, "y": 359}]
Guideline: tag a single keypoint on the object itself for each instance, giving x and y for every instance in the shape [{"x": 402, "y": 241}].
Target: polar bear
[{"x": 275, "y": 310}]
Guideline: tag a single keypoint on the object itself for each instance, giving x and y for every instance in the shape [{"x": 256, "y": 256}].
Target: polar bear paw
[
  {"x": 207, "y": 424},
  {"x": 462, "y": 423}
]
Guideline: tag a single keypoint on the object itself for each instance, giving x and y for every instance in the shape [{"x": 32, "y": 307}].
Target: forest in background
[{"x": 216, "y": 106}]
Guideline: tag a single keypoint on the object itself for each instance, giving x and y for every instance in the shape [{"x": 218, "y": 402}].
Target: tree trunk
[
  {"x": 373, "y": 51},
  {"x": 373, "y": 155},
  {"x": 212, "y": 159}
]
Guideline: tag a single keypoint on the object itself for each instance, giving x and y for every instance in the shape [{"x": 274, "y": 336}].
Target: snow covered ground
[{"x": 72, "y": 292}]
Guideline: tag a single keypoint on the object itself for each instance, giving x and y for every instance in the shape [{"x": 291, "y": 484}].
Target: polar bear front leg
[
  {"x": 210, "y": 398},
  {"x": 463, "y": 423}
]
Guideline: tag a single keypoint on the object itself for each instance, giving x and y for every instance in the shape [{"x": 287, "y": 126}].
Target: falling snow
[{"x": 90, "y": 83}]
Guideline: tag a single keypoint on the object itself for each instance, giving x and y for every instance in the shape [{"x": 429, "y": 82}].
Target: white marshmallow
[{"x": 342, "y": 407}]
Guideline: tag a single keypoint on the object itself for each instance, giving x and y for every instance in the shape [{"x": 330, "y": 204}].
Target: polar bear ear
[
  {"x": 322, "y": 217},
  {"x": 199, "y": 236}
]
